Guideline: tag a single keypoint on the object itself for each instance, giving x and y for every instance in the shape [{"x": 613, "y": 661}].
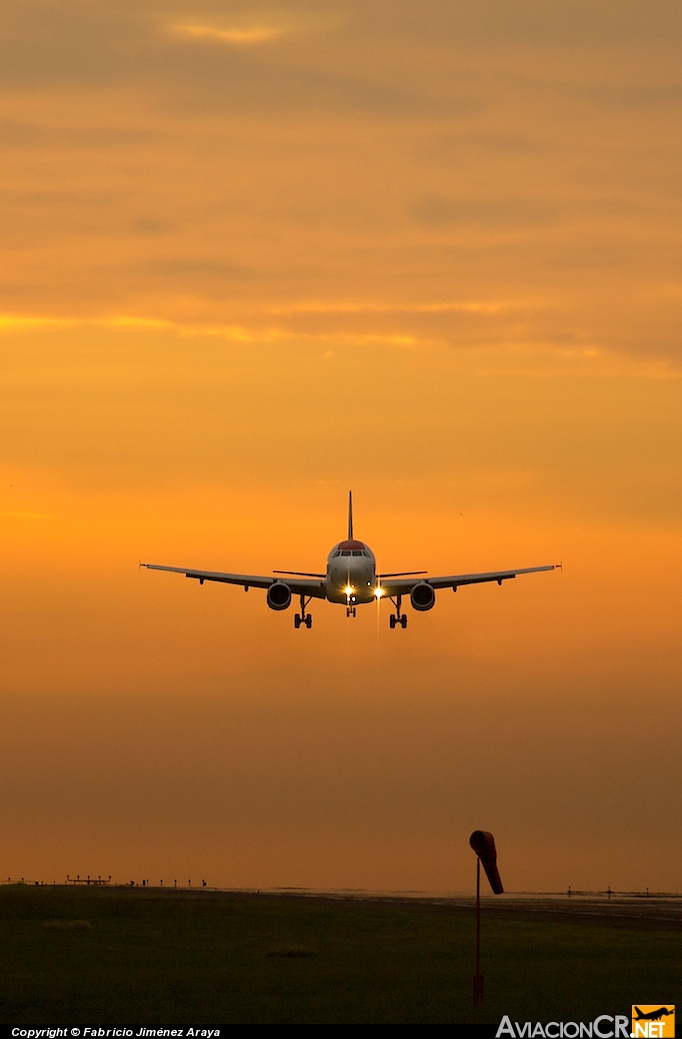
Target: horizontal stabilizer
[
  {"x": 403, "y": 573},
  {"x": 297, "y": 573}
]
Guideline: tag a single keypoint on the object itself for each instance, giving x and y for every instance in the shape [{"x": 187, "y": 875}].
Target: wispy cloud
[
  {"x": 499, "y": 356},
  {"x": 19, "y": 322},
  {"x": 236, "y": 333},
  {"x": 248, "y": 35},
  {"x": 465, "y": 307},
  {"x": 256, "y": 333},
  {"x": 270, "y": 26}
]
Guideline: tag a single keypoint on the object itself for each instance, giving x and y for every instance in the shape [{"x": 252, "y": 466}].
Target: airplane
[
  {"x": 351, "y": 580},
  {"x": 654, "y": 1015}
]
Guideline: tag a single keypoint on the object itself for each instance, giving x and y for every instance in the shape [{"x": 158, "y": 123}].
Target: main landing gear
[
  {"x": 397, "y": 619},
  {"x": 303, "y": 618}
]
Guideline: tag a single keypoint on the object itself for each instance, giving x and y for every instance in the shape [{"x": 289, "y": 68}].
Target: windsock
[{"x": 483, "y": 844}]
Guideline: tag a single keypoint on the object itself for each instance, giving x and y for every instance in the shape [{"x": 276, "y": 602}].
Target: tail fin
[{"x": 350, "y": 515}]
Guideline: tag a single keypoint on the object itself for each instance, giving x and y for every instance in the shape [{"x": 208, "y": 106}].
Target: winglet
[{"x": 350, "y": 515}]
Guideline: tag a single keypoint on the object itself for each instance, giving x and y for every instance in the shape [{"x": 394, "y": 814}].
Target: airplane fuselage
[{"x": 351, "y": 573}]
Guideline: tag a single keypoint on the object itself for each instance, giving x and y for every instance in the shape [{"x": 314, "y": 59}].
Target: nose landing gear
[
  {"x": 303, "y": 618},
  {"x": 350, "y": 611},
  {"x": 397, "y": 619}
]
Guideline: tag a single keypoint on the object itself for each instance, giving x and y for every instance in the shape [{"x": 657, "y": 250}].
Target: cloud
[
  {"x": 402, "y": 171},
  {"x": 467, "y": 307},
  {"x": 47, "y": 44},
  {"x": 195, "y": 270},
  {"x": 29, "y": 323},
  {"x": 496, "y": 211},
  {"x": 486, "y": 340},
  {"x": 616, "y": 96},
  {"x": 25, "y": 134},
  {"x": 564, "y": 24},
  {"x": 253, "y": 34},
  {"x": 75, "y": 45}
]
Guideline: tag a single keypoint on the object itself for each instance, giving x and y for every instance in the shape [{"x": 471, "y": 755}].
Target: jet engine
[
  {"x": 423, "y": 597},
  {"x": 279, "y": 596}
]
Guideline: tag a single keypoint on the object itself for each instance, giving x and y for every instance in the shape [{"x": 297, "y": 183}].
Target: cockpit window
[{"x": 351, "y": 548}]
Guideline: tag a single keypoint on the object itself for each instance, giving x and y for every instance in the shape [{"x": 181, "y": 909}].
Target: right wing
[
  {"x": 298, "y": 587},
  {"x": 404, "y": 587}
]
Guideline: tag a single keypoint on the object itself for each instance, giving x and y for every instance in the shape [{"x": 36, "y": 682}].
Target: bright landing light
[
  {"x": 348, "y": 590},
  {"x": 379, "y": 592}
]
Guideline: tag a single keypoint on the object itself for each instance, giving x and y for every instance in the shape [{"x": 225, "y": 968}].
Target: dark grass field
[{"x": 130, "y": 956}]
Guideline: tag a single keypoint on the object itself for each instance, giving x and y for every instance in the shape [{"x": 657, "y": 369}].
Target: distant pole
[{"x": 478, "y": 977}]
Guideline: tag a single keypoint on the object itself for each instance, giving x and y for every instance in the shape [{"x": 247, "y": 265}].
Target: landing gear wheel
[
  {"x": 303, "y": 618},
  {"x": 398, "y": 619}
]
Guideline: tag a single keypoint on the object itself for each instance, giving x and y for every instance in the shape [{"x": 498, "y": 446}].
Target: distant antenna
[{"x": 350, "y": 515}]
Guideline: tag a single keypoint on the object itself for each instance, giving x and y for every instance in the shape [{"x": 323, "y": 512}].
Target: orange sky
[{"x": 255, "y": 255}]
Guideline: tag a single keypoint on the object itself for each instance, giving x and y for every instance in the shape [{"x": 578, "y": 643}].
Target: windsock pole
[
  {"x": 478, "y": 977},
  {"x": 483, "y": 843}
]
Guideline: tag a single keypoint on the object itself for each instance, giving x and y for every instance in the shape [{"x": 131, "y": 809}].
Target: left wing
[
  {"x": 404, "y": 587},
  {"x": 298, "y": 587}
]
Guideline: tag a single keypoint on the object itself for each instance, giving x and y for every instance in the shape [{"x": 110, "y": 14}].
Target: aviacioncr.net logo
[
  {"x": 653, "y": 1021},
  {"x": 605, "y": 1026}
]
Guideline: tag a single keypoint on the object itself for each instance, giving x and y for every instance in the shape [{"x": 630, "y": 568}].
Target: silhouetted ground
[{"x": 157, "y": 956}]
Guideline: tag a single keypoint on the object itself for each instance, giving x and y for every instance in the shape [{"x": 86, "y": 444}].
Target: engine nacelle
[
  {"x": 423, "y": 597},
  {"x": 279, "y": 596}
]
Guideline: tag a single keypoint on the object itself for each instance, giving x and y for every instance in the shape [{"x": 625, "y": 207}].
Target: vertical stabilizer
[{"x": 350, "y": 515}]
